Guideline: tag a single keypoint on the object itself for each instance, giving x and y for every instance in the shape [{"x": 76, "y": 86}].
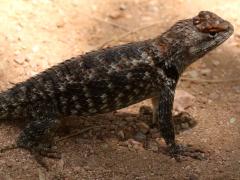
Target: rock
[
  {"x": 184, "y": 126},
  {"x": 193, "y": 74},
  {"x": 19, "y": 59},
  {"x": 236, "y": 89},
  {"x": 143, "y": 127},
  {"x": 134, "y": 145},
  {"x": 105, "y": 146},
  {"x": 139, "y": 136},
  {"x": 115, "y": 14},
  {"x": 182, "y": 101},
  {"x": 60, "y": 24},
  {"x": 153, "y": 146},
  {"x": 122, "y": 7},
  {"x": 35, "y": 48},
  {"x": 145, "y": 110},
  {"x": 121, "y": 123},
  {"x": 232, "y": 120},
  {"x": 215, "y": 63},
  {"x": 41, "y": 175},
  {"x": 121, "y": 134},
  {"x": 205, "y": 72},
  {"x": 155, "y": 133},
  {"x": 214, "y": 96},
  {"x": 61, "y": 164},
  {"x": 130, "y": 118},
  {"x": 193, "y": 177}
]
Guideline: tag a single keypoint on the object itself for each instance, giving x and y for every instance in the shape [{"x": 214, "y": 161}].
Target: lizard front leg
[
  {"x": 38, "y": 136},
  {"x": 165, "y": 102},
  {"x": 182, "y": 121},
  {"x": 165, "y": 105}
]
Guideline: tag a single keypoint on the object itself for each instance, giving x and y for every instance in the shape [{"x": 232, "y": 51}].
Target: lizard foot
[
  {"x": 178, "y": 151},
  {"x": 48, "y": 152},
  {"x": 8, "y": 148},
  {"x": 40, "y": 152}
]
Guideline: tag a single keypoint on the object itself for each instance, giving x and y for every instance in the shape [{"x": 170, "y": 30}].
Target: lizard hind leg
[{"x": 37, "y": 137}]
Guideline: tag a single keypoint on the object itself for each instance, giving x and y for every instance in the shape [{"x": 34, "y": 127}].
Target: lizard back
[{"x": 96, "y": 82}]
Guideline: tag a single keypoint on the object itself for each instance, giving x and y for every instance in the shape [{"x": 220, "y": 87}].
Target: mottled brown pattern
[
  {"x": 209, "y": 22},
  {"x": 109, "y": 79}
]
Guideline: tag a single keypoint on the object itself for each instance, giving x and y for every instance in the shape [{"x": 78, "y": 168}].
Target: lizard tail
[
  {"x": 11, "y": 103},
  {"x": 5, "y": 107},
  {"x": 3, "y": 113}
]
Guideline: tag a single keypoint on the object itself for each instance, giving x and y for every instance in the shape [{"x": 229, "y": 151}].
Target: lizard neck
[{"x": 170, "y": 56}]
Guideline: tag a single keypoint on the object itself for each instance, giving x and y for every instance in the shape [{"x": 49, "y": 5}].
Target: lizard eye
[{"x": 212, "y": 34}]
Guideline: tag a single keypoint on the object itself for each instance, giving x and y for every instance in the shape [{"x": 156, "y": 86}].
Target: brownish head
[
  {"x": 210, "y": 31},
  {"x": 197, "y": 36}
]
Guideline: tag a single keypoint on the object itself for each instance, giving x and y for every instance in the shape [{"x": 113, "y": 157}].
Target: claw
[
  {"x": 50, "y": 153},
  {"x": 38, "y": 152},
  {"x": 8, "y": 148},
  {"x": 40, "y": 160},
  {"x": 177, "y": 151}
]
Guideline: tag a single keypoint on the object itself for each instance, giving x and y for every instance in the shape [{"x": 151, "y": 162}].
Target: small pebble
[
  {"x": 153, "y": 146},
  {"x": 232, "y": 120},
  {"x": 216, "y": 63},
  {"x": 139, "y": 136},
  {"x": 193, "y": 74},
  {"x": 193, "y": 177},
  {"x": 35, "y": 48},
  {"x": 214, "y": 96},
  {"x": 205, "y": 72},
  {"x": 132, "y": 144},
  {"x": 122, "y": 7},
  {"x": 155, "y": 133},
  {"x": 129, "y": 118},
  {"x": 145, "y": 110},
  {"x": 184, "y": 126},
  {"x": 121, "y": 134},
  {"x": 143, "y": 127},
  {"x": 115, "y": 14},
  {"x": 105, "y": 146},
  {"x": 236, "y": 89},
  {"x": 19, "y": 59}
]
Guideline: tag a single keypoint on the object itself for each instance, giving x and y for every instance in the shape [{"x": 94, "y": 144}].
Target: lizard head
[
  {"x": 209, "y": 32},
  {"x": 199, "y": 35}
]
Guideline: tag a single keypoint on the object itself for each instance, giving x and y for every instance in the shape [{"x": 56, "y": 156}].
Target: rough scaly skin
[{"x": 109, "y": 79}]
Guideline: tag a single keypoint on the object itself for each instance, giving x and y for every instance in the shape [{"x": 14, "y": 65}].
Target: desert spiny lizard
[{"x": 108, "y": 79}]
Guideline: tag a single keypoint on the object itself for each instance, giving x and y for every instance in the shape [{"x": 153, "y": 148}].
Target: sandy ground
[{"x": 35, "y": 35}]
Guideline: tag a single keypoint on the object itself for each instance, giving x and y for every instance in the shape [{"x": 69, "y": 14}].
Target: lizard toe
[{"x": 179, "y": 151}]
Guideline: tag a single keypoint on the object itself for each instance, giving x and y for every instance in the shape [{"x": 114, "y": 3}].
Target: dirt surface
[{"x": 35, "y": 35}]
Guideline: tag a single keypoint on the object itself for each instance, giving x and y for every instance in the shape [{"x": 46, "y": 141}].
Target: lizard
[{"x": 112, "y": 78}]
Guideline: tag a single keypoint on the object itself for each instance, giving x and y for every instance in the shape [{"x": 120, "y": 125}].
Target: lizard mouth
[{"x": 220, "y": 36}]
